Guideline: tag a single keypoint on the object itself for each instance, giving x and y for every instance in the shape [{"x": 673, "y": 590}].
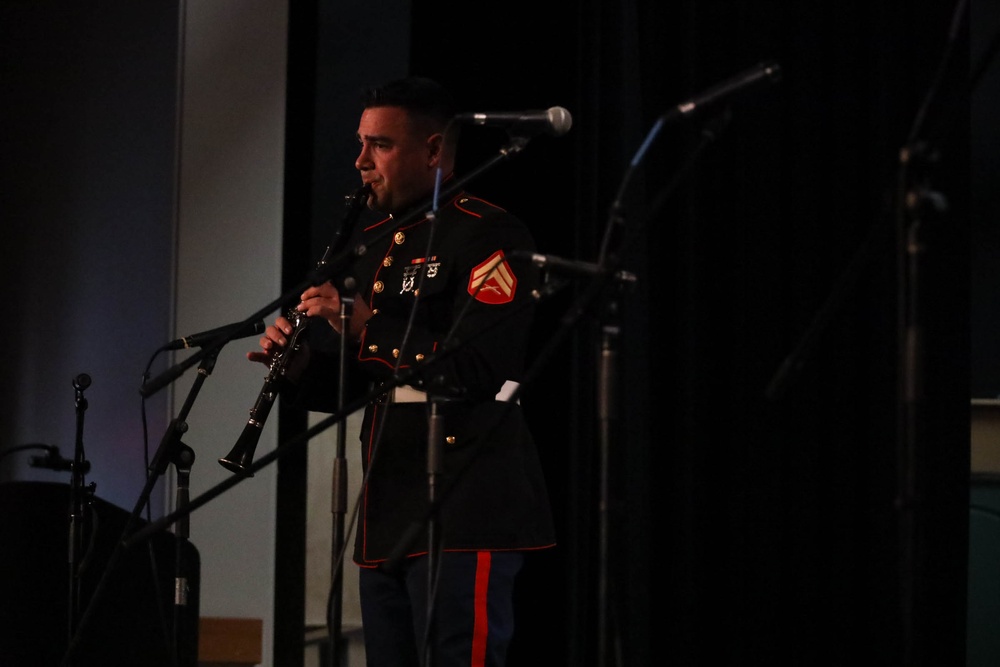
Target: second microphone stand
[
  {"x": 80, "y": 498},
  {"x": 338, "y": 505},
  {"x": 171, "y": 449}
]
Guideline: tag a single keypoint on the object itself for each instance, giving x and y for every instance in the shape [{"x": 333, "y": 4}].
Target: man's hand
[
  {"x": 273, "y": 341},
  {"x": 324, "y": 301}
]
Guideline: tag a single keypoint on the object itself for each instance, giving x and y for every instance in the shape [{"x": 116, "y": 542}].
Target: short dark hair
[{"x": 419, "y": 95}]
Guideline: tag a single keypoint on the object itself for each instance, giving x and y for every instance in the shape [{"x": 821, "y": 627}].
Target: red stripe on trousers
[{"x": 480, "y": 630}]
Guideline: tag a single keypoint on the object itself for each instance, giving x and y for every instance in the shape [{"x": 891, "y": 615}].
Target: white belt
[{"x": 407, "y": 394}]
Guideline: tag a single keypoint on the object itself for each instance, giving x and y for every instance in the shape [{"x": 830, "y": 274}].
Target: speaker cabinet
[{"x": 133, "y": 619}]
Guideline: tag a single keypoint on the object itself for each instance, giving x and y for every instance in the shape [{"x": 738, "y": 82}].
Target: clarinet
[{"x": 240, "y": 458}]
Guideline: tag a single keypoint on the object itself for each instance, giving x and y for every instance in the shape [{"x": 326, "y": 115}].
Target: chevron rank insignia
[{"x": 493, "y": 281}]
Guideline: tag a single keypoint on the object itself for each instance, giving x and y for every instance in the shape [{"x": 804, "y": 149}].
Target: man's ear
[{"x": 435, "y": 148}]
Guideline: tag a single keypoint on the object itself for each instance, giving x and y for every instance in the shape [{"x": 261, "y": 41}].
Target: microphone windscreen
[{"x": 561, "y": 120}]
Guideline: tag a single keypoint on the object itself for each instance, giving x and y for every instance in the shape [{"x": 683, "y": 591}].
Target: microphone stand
[
  {"x": 919, "y": 210},
  {"x": 338, "y": 503},
  {"x": 606, "y": 273},
  {"x": 435, "y": 467},
  {"x": 171, "y": 449},
  {"x": 607, "y": 415},
  {"x": 183, "y": 458},
  {"x": 338, "y": 485},
  {"x": 78, "y": 499},
  {"x": 606, "y": 400}
]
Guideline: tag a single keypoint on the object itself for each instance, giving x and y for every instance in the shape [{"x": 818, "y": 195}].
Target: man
[{"x": 441, "y": 303}]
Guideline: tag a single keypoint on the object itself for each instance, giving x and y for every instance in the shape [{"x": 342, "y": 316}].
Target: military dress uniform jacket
[{"x": 466, "y": 344}]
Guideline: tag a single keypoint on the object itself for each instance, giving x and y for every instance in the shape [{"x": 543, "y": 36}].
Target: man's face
[{"x": 396, "y": 158}]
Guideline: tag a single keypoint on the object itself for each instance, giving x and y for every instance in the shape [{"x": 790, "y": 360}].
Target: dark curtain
[
  {"x": 784, "y": 484},
  {"x": 752, "y": 513}
]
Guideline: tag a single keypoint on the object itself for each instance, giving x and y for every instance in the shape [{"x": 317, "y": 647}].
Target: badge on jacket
[{"x": 493, "y": 281}]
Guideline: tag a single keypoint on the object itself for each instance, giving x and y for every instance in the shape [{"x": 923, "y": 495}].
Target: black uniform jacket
[{"x": 453, "y": 311}]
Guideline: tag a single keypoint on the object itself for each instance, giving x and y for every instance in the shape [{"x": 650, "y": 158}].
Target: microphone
[
  {"x": 555, "y": 120},
  {"x": 210, "y": 336},
  {"x": 53, "y": 460},
  {"x": 766, "y": 72},
  {"x": 571, "y": 266}
]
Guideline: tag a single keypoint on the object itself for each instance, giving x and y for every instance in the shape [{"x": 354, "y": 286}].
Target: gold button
[
  {"x": 420, "y": 357},
  {"x": 416, "y": 292},
  {"x": 375, "y": 311},
  {"x": 450, "y": 440},
  {"x": 395, "y": 354},
  {"x": 399, "y": 238},
  {"x": 387, "y": 261},
  {"x": 373, "y": 348},
  {"x": 378, "y": 286}
]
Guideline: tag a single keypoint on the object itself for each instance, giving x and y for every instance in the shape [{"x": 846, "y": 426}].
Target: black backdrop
[{"x": 754, "y": 511}]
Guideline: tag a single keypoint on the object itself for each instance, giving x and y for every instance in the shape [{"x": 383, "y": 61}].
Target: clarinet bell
[{"x": 240, "y": 457}]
